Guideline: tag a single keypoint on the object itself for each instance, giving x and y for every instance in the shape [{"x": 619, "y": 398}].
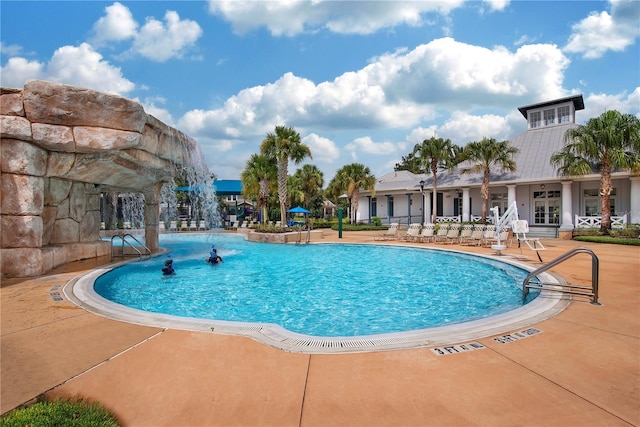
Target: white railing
[
  {"x": 440, "y": 219},
  {"x": 476, "y": 218},
  {"x": 595, "y": 221}
]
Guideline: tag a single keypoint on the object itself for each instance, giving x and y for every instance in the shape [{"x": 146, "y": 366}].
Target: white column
[
  {"x": 427, "y": 206},
  {"x": 634, "y": 211},
  {"x": 466, "y": 204},
  {"x": 511, "y": 194},
  {"x": 567, "y": 202}
]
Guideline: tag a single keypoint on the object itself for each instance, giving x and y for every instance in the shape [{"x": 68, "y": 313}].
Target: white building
[{"x": 550, "y": 203}]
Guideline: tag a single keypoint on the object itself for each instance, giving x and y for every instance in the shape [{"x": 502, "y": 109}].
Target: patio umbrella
[{"x": 299, "y": 209}]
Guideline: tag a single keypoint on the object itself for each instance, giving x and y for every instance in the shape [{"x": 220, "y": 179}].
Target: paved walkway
[{"x": 583, "y": 369}]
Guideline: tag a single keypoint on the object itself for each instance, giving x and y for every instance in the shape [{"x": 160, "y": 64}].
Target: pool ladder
[
  {"x": 123, "y": 237},
  {"x": 586, "y": 291}
]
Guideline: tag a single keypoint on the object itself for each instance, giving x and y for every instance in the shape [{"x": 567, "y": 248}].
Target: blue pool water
[{"x": 319, "y": 289}]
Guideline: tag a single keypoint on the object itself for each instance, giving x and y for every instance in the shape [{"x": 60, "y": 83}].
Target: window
[
  {"x": 564, "y": 114},
  {"x": 549, "y": 117},
  {"x": 593, "y": 202},
  {"x": 500, "y": 200},
  {"x": 535, "y": 120}
]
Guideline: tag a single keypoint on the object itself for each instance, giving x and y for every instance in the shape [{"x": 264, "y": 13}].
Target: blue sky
[{"x": 360, "y": 81}]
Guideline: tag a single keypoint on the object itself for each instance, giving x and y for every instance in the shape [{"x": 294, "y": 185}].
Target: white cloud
[
  {"x": 83, "y": 66},
  {"x": 10, "y": 50},
  {"x": 160, "y": 41},
  {"x": 117, "y": 25},
  {"x": 601, "y": 32},
  {"x": 156, "y": 40},
  {"x": 75, "y": 65},
  {"x": 347, "y": 17},
  {"x": 597, "y": 103},
  {"x": 497, "y": 5},
  {"x": 322, "y": 149},
  {"x": 18, "y": 70},
  {"x": 462, "y": 128}
]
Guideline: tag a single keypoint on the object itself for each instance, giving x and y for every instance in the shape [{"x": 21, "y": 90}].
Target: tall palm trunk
[
  {"x": 484, "y": 191},
  {"x": 283, "y": 164},
  {"x": 605, "y": 185},
  {"x": 263, "y": 198},
  {"x": 355, "y": 206}
]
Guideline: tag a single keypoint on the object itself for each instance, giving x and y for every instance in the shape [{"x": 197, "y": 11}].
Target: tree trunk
[
  {"x": 355, "y": 207},
  {"x": 282, "y": 189},
  {"x": 485, "y": 195},
  {"x": 605, "y": 195},
  {"x": 434, "y": 205}
]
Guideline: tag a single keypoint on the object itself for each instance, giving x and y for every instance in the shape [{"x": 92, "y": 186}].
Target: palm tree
[
  {"x": 483, "y": 156},
  {"x": 350, "y": 179},
  {"x": 605, "y": 144},
  {"x": 284, "y": 145},
  {"x": 257, "y": 179},
  {"x": 311, "y": 181},
  {"x": 436, "y": 154}
]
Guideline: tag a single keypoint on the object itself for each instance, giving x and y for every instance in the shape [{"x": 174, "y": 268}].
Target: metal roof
[{"x": 532, "y": 161}]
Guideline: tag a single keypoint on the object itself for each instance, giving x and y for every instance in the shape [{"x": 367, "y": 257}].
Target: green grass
[
  {"x": 67, "y": 413},
  {"x": 608, "y": 239}
]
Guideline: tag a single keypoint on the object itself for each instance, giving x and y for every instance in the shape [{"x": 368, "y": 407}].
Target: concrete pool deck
[{"x": 582, "y": 369}]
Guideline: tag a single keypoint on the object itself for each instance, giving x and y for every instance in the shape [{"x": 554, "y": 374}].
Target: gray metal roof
[{"x": 532, "y": 161}]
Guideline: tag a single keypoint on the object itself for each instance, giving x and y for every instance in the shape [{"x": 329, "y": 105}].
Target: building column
[
  {"x": 427, "y": 206},
  {"x": 511, "y": 194},
  {"x": 567, "y": 211},
  {"x": 466, "y": 205},
  {"x": 369, "y": 205},
  {"x": 634, "y": 211}
]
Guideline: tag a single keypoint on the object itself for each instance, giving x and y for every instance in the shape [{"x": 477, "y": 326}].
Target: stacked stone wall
[{"x": 59, "y": 146}]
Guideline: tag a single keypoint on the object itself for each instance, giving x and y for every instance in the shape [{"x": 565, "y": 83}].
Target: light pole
[{"x": 422, "y": 193}]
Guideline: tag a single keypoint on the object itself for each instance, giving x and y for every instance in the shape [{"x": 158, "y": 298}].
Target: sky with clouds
[{"x": 361, "y": 81}]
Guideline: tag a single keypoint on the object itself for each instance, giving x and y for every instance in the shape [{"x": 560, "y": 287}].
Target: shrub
[
  {"x": 376, "y": 220},
  {"x": 609, "y": 239},
  {"x": 72, "y": 413}
]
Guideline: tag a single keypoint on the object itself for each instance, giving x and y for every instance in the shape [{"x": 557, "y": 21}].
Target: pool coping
[{"x": 548, "y": 304}]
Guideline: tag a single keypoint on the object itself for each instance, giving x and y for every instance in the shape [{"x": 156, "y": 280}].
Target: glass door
[{"x": 546, "y": 207}]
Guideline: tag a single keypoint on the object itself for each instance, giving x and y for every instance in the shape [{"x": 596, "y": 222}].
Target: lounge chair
[
  {"x": 453, "y": 235},
  {"x": 504, "y": 239},
  {"x": 441, "y": 234},
  {"x": 489, "y": 234},
  {"x": 426, "y": 235},
  {"x": 412, "y": 232},
  {"x": 389, "y": 234},
  {"x": 520, "y": 230},
  {"x": 173, "y": 226},
  {"x": 202, "y": 225},
  {"x": 161, "y": 227},
  {"x": 476, "y": 236},
  {"x": 465, "y": 233},
  {"x": 184, "y": 225},
  {"x": 127, "y": 225}
]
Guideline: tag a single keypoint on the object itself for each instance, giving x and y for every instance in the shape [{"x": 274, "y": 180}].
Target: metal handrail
[
  {"x": 123, "y": 238},
  {"x": 572, "y": 289}
]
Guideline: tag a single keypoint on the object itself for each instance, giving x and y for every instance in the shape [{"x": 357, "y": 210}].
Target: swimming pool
[{"x": 334, "y": 291}]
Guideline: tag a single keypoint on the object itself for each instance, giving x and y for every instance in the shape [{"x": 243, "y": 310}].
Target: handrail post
[{"x": 595, "y": 269}]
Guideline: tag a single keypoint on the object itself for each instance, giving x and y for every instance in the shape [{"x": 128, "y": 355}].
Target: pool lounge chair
[
  {"x": 441, "y": 234},
  {"x": 465, "y": 233},
  {"x": 184, "y": 225},
  {"x": 412, "y": 232},
  {"x": 453, "y": 235},
  {"x": 488, "y": 235},
  {"x": 476, "y": 236},
  {"x": 202, "y": 225},
  {"x": 426, "y": 235},
  {"x": 161, "y": 227},
  {"x": 173, "y": 226},
  {"x": 389, "y": 234}
]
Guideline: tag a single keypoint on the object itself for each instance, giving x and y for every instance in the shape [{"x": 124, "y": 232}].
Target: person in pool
[
  {"x": 168, "y": 270},
  {"x": 214, "y": 258}
]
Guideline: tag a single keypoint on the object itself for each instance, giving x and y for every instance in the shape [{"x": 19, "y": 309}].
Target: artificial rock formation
[{"x": 60, "y": 147}]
